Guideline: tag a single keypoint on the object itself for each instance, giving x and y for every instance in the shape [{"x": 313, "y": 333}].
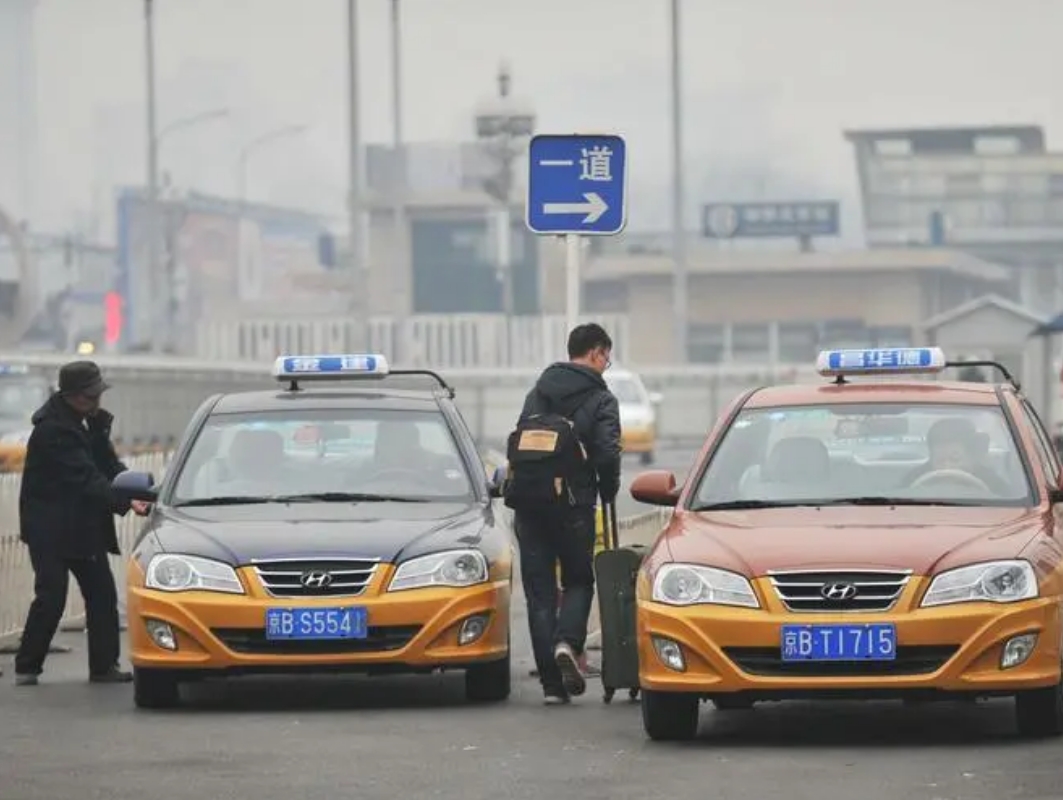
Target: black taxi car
[{"x": 337, "y": 523}]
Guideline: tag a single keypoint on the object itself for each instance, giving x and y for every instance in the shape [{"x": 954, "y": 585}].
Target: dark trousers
[
  {"x": 51, "y": 579},
  {"x": 548, "y": 537}
]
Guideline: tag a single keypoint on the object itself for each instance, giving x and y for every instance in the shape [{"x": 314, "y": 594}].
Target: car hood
[
  {"x": 239, "y": 535},
  {"x": 922, "y": 539}
]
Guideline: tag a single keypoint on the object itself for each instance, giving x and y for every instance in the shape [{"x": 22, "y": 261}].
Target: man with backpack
[{"x": 563, "y": 455}]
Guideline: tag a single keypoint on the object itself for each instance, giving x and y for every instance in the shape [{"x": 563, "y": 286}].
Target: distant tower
[{"x": 18, "y": 108}]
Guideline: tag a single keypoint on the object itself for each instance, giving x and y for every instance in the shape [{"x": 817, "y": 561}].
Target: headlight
[
  {"x": 993, "y": 581},
  {"x": 177, "y": 573},
  {"x": 688, "y": 584},
  {"x": 450, "y": 568}
]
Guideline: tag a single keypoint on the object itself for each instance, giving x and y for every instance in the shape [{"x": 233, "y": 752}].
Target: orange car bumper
[
  {"x": 949, "y": 649},
  {"x": 641, "y": 439},
  {"x": 409, "y": 631}
]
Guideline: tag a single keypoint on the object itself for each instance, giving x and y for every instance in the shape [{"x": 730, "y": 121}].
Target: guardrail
[{"x": 16, "y": 574}]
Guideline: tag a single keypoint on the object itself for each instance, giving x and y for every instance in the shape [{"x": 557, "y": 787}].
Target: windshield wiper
[
  {"x": 345, "y": 497},
  {"x": 739, "y": 505},
  {"x": 887, "y": 501},
  {"x": 232, "y": 500}
]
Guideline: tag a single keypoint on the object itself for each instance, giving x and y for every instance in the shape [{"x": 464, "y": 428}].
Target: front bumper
[
  {"x": 409, "y": 631},
  {"x": 940, "y": 651}
]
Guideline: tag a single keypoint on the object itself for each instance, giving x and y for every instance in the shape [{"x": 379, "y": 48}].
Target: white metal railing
[{"x": 16, "y": 574}]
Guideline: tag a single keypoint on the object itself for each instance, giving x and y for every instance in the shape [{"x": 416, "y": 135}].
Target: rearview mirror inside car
[
  {"x": 1055, "y": 495},
  {"x": 656, "y": 487},
  {"x": 132, "y": 485}
]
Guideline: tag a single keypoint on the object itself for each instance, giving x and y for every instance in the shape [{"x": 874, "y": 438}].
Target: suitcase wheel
[
  {"x": 633, "y": 694},
  {"x": 607, "y": 696}
]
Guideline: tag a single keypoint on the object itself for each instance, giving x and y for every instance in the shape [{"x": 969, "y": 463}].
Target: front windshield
[
  {"x": 626, "y": 390},
  {"x": 323, "y": 456},
  {"x": 914, "y": 453},
  {"x": 20, "y": 397}
]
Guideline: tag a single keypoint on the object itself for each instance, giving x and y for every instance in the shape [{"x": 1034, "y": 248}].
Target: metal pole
[
  {"x": 573, "y": 253},
  {"x": 354, "y": 203},
  {"x": 153, "y": 174},
  {"x": 679, "y": 245},
  {"x": 505, "y": 257},
  {"x": 396, "y": 118}
]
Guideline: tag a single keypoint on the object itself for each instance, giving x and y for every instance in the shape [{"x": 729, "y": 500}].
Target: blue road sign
[{"x": 577, "y": 184}]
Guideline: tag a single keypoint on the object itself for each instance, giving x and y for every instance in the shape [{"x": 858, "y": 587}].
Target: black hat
[{"x": 82, "y": 377}]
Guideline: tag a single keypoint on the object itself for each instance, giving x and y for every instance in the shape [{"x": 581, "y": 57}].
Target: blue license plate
[
  {"x": 317, "y": 623},
  {"x": 872, "y": 642}
]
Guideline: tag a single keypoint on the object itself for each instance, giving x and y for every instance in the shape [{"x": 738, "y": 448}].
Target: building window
[
  {"x": 798, "y": 342},
  {"x": 751, "y": 341},
  {"x": 705, "y": 343}
]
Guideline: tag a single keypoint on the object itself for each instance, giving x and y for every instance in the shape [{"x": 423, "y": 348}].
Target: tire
[
  {"x": 670, "y": 716},
  {"x": 155, "y": 688},
  {"x": 1039, "y": 712},
  {"x": 490, "y": 682},
  {"x": 646, "y": 459}
]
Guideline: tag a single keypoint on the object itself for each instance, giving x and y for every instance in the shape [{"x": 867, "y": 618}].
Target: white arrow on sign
[{"x": 593, "y": 208}]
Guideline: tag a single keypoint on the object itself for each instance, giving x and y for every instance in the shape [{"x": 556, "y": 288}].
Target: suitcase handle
[{"x": 609, "y": 523}]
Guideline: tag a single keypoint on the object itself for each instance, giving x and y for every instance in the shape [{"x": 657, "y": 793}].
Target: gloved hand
[{"x": 608, "y": 490}]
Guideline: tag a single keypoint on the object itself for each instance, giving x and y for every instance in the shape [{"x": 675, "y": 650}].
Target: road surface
[{"x": 321, "y": 739}]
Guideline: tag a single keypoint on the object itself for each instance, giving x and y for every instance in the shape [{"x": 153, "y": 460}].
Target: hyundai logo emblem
[
  {"x": 315, "y": 580},
  {"x": 838, "y": 591}
]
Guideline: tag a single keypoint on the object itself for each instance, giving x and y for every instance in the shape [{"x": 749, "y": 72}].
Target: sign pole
[{"x": 573, "y": 252}]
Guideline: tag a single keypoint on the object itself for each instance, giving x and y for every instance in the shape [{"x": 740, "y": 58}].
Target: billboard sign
[{"x": 771, "y": 220}]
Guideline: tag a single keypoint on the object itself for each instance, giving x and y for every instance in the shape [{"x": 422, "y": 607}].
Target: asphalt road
[{"x": 278, "y": 739}]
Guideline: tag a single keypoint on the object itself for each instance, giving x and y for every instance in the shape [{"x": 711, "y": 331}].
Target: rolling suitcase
[{"x": 615, "y": 569}]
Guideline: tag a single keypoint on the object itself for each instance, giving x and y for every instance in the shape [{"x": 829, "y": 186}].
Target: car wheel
[
  {"x": 1039, "y": 712},
  {"x": 155, "y": 688},
  {"x": 732, "y": 703},
  {"x": 670, "y": 716},
  {"x": 646, "y": 459},
  {"x": 490, "y": 682}
]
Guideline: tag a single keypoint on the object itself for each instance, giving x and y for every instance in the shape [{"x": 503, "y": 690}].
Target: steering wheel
[{"x": 951, "y": 476}]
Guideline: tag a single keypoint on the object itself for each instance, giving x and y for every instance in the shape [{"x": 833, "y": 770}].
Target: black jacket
[
  {"x": 66, "y": 504},
  {"x": 581, "y": 394}
]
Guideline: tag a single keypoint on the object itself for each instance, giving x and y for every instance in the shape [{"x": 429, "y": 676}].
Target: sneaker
[
  {"x": 25, "y": 680},
  {"x": 113, "y": 675},
  {"x": 556, "y": 699},
  {"x": 571, "y": 674}
]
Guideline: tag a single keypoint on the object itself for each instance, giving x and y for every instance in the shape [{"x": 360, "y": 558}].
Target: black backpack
[{"x": 544, "y": 454}]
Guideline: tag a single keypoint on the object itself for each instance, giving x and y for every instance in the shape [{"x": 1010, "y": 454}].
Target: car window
[
  {"x": 919, "y": 452},
  {"x": 404, "y": 454},
  {"x": 627, "y": 390},
  {"x": 1045, "y": 451}
]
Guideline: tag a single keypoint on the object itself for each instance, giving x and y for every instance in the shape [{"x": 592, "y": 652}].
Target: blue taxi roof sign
[
  {"x": 881, "y": 361},
  {"x": 354, "y": 366}
]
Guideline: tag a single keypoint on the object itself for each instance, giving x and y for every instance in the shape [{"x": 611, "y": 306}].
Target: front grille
[
  {"x": 911, "y": 660},
  {"x": 842, "y": 590},
  {"x": 253, "y": 641},
  {"x": 345, "y": 577}
]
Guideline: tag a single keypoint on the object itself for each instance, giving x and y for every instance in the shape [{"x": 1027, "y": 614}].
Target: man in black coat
[
  {"x": 565, "y": 535},
  {"x": 66, "y": 511}
]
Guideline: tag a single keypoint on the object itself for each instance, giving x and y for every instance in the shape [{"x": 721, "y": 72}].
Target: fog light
[
  {"x": 472, "y": 629},
  {"x": 1017, "y": 650},
  {"x": 670, "y": 653},
  {"x": 162, "y": 634}
]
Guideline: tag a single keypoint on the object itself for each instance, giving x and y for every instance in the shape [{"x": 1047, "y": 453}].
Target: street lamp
[
  {"x": 679, "y": 242},
  {"x": 188, "y": 122},
  {"x": 259, "y": 141},
  {"x": 503, "y": 126}
]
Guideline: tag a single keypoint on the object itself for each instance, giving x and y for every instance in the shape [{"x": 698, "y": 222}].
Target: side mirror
[
  {"x": 133, "y": 485},
  {"x": 656, "y": 488},
  {"x": 656, "y": 398},
  {"x": 498, "y": 480}
]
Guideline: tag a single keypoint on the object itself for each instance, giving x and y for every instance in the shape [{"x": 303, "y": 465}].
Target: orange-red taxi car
[
  {"x": 336, "y": 523},
  {"x": 866, "y": 537}
]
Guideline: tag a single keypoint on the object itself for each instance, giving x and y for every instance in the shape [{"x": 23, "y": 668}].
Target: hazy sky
[{"x": 769, "y": 85}]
